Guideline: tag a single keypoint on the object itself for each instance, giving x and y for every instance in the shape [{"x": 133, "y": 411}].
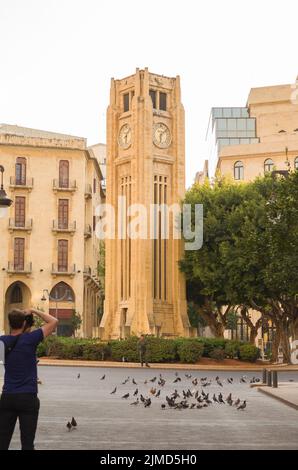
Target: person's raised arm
[{"x": 50, "y": 322}]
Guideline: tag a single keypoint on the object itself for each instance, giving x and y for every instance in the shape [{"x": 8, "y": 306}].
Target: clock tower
[{"x": 145, "y": 291}]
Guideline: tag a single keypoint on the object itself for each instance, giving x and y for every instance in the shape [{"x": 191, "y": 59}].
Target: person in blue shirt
[{"x": 19, "y": 400}]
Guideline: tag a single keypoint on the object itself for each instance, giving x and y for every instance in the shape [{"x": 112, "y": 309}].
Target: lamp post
[
  {"x": 67, "y": 296},
  {"x": 5, "y": 202}
]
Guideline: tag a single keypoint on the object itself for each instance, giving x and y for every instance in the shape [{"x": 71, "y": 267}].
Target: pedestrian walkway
[
  {"x": 287, "y": 392},
  {"x": 241, "y": 366}
]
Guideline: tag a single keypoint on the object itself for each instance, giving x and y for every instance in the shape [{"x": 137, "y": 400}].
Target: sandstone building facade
[{"x": 48, "y": 246}]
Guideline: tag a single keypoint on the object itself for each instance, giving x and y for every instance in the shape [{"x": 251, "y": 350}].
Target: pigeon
[
  {"x": 237, "y": 402},
  {"x": 134, "y": 382},
  {"x": 73, "y": 422},
  {"x": 230, "y": 380},
  {"x": 153, "y": 391},
  {"x": 241, "y": 407},
  {"x": 219, "y": 383},
  {"x": 176, "y": 373},
  {"x": 229, "y": 397},
  {"x": 220, "y": 399},
  {"x": 197, "y": 394},
  {"x": 125, "y": 396},
  {"x": 114, "y": 391},
  {"x": 79, "y": 375},
  {"x": 195, "y": 382},
  {"x": 69, "y": 426},
  {"x": 192, "y": 406},
  {"x": 163, "y": 406},
  {"x": 145, "y": 382},
  {"x": 199, "y": 407},
  {"x": 135, "y": 402},
  {"x": 147, "y": 402},
  {"x": 188, "y": 376},
  {"x": 242, "y": 380},
  {"x": 158, "y": 393},
  {"x": 136, "y": 392},
  {"x": 177, "y": 380},
  {"x": 103, "y": 377},
  {"x": 142, "y": 398},
  {"x": 153, "y": 380},
  {"x": 214, "y": 398},
  {"x": 39, "y": 381}
]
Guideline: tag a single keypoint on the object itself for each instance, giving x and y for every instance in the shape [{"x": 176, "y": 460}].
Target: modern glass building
[{"x": 229, "y": 126}]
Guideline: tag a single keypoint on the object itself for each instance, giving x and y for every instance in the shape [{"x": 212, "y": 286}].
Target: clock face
[
  {"x": 124, "y": 138},
  {"x": 161, "y": 135}
]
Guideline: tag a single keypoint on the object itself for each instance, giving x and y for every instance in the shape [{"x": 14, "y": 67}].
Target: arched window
[
  {"x": 20, "y": 171},
  {"x": 16, "y": 296},
  {"x": 268, "y": 165},
  {"x": 62, "y": 291},
  {"x": 296, "y": 163},
  {"x": 238, "y": 171},
  {"x": 63, "y": 174}
]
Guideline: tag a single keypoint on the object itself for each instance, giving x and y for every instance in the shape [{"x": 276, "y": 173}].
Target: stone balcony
[
  {"x": 24, "y": 226},
  {"x": 62, "y": 271},
  {"x": 13, "y": 268},
  {"x": 21, "y": 183},
  {"x": 64, "y": 228},
  {"x": 68, "y": 186}
]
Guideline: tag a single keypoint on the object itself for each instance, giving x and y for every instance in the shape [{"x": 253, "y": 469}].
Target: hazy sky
[{"x": 57, "y": 58}]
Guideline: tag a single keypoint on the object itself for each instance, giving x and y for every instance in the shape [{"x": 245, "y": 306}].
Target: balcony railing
[
  {"x": 21, "y": 183},
  {"x": 88, "y": 231},
  {"x": 14, "y": 268},
  {"x": 26, "y": 226},
  {"x": 88, "y": 191},
  {"x": 66, "y": 185},
  {"x": 58, "y": 227},
  {"x": 63, "y": 271}
]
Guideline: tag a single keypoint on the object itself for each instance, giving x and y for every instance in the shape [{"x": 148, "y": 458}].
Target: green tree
[{"x": 76, "y": 321}]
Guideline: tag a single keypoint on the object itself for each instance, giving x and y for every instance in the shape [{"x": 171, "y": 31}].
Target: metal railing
[
  {"x": 20, "y": 225},
  {"x": 25, "y": 268},
  {"x": 64, "y": 185},
  {"x": 21, "y": 182},
  {"x": 60, "y": 227},
  {"x": 62, "y": 270}
]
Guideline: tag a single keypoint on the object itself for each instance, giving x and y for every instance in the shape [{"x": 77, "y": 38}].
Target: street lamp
[
  {"x": 67, "y": 297},
  {"x": 5, "y": 202}
]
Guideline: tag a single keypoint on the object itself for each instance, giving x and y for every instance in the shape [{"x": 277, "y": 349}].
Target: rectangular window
[
  {"x": 63, "y": 213},
  {"x": 20, "y": 170},
  {"x": 126, "y": 102},
  {"x": 94, "y": 185},
  {"x": 152, "y": 93},
  {"x": 162, "y": 101},
  {"x": 94, "y": 223},
  {"x": 20, "y": 211},
  {"x": 63, "y": 174},
  {"x": 19, "y": 254},
  {"x": 62, "y": 255}
]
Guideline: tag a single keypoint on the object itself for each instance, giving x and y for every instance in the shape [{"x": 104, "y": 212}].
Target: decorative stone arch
[{"x": 18, "y": 295}]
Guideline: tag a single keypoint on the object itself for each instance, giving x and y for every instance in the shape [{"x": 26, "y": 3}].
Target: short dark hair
[{"x": 16, "y": 319}]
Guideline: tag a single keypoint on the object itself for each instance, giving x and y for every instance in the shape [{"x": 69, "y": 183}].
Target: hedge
[{"x": 159, "y": 350}]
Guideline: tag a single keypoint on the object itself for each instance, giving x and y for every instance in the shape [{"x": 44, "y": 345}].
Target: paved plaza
[{"x": 107, "y": 421}]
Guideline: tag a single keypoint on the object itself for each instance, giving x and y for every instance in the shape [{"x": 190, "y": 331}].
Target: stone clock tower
[{"x": 145, "y": 292}]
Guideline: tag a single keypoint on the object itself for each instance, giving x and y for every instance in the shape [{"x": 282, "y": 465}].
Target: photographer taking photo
[{"x": 19, "y": 398}]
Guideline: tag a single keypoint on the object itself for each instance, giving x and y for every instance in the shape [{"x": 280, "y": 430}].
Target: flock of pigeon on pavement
[{"x": 194, "y": 395}]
